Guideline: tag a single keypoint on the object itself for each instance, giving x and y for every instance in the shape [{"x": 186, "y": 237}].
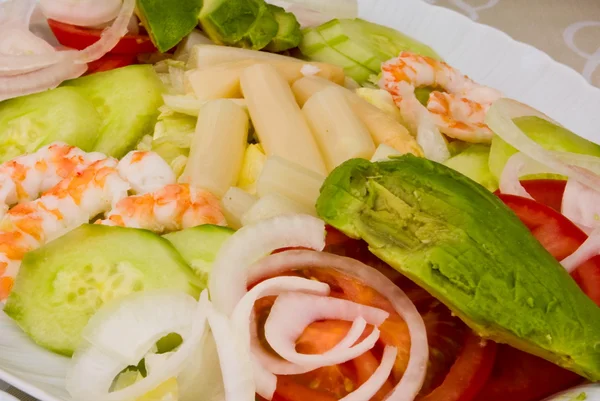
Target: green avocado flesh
[
  {"x": 30, "y": 122},
  {"x": 288, "y": 32},
  {"x": 242, "y": 23},
  {"x": 460, "y": 242},
  {"x": 127, "y": 100},
  {"x": 199, "y": 246},
  {"x": 61, "y": 285},
  {"x": 546, "y": 134},
  {"x": 168, "y": 22}
]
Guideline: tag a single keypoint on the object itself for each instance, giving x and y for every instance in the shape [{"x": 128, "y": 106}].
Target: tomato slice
[
  {"x": 547, "y": 192},
  {"x": 110, "y": 62},
  {"x": 458, "y": 366},
  {"x": 518, "y": 376},
  {"x": 469, "y": 373},
  {"x": 79, "y": 38},
  {"x": 560, "y": 237}
]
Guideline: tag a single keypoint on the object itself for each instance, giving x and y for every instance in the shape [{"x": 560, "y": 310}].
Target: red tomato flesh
[
  {"x": 448, "y": 338},
  {"x": 560, "y": 237},
  {"x": 79, "y": 38},
  {"x": 110, "y": 62}
]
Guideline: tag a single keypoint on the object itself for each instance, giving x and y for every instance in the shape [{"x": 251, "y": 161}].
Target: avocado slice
[
  {"x": 460, "y": 242},
  {"x": 241, "y": 23},
  {"x": 288, "y": 34},
  {"x": 262, "y": 31},
  {"x": 168, "y": 22}
]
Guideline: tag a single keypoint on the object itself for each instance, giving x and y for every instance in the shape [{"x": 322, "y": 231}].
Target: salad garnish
[{"x": 246, "y": 200}]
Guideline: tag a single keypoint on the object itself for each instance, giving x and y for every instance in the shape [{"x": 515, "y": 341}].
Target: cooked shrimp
[
  {"x": 72, "y": 202},
  {"x": 173, "y": 207},
  {"x": 24, "y": 178},
  {"x": 459, "y": 111},
  {"x": 146, "y": 171}
]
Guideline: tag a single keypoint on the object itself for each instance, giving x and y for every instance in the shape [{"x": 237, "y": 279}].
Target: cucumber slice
[
  {"x": 61, "y": 285},
  {"x": 315, "y": 48},
  {"x": 127, "y": 99},
  {"x": 473, "y": 162},
  {"x": 199, "y": 246},
  {"x": 369, "y": 44},
  {"x": 30, "y": 122}
]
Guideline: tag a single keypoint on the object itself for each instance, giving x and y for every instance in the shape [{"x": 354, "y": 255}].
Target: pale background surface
[{"x": 568, "y": 30}]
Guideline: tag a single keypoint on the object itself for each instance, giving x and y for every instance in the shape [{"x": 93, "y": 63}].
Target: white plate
[{"x": 484, "y": 53}]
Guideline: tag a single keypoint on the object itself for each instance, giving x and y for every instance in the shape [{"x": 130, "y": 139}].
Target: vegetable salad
[{"x": 240, "y": 200}]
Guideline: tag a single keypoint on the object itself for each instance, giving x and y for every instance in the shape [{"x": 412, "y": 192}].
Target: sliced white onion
[
  {"x": 203, "y": 376},
  {"x": 39, "y": 80},
  {"x": 234, "y": 358},
  {"x": 587, "y": 250},
  {"x": 89, "y": 13},
  {"x": 16, "y": 64},
  {"x": 412, "y": 380},
  {"x": 242, "y": 318},
  {"x": 510, "y": 183},
  {"x": 17, "y": 41},
  {"x": 156, "y": 313},
  {"x": 500, "y": 119},
  {"x": 249, "y": 244},
  {"x": 275, "y": 365},
  {"x": 587, "y": 392},
  {"x": 369, "y": 388},
  {"x": 117, "y": 343},
  {"x": 316, "y": 12},
  {"x": 581, "y": 205},
  {"x": 111, "y": 36},
  {"x": 17, "y": 12},
  {"x": 293, "y": 312}
]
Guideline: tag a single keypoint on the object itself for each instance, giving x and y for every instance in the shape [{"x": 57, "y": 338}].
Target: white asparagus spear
[
  {"x": 206, "y": 56},
  {"x": 382, "y": 127},
  {"x": 279, "y": 122},
  {"x": 217, "y": 149},
  {"x": 340, "y": 134}
]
